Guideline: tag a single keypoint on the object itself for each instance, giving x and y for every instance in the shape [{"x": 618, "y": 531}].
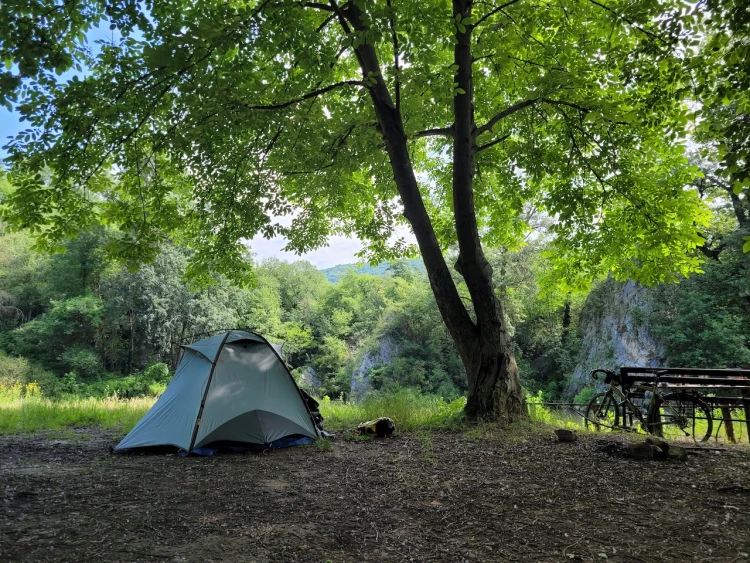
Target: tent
[{"x": 232, "y": 387}]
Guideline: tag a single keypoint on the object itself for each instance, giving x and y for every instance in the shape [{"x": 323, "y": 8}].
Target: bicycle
[{"x": 671, "y": 415}]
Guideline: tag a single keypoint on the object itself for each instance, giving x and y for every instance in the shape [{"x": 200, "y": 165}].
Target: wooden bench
[{"x": 722, "y": 389}]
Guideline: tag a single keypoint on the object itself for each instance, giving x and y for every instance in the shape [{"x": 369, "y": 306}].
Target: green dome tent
[{"x": 232, "y": 387}]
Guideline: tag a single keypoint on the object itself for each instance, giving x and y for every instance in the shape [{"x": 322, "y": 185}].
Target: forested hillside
[
  {"x": 334, "y": 273},
  {"x": 76, "y": 323}
]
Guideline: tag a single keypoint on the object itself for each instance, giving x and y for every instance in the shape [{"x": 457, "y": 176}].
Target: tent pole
[{"x": 205, "y": 393}]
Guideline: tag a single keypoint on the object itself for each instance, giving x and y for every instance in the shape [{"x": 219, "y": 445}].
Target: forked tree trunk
[
  {"x": 483, "y": 344},
  {"x": 494, "y": 384}
]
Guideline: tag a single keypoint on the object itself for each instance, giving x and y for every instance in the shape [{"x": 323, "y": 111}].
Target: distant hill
[{"x": 333, "y": 274}]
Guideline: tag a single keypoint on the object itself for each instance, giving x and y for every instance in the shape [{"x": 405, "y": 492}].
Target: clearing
[{"x": 478, "y": 496}]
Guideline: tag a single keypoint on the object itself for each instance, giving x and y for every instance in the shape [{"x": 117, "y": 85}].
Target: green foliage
[
  {"x": 705, "y": 321},
  {"x": 721, "y": 67},
  {"x": 543, "y": 321},
  {"x": 36, "y": 414},
  {"x": 48, "y": 337},
  {"x": 16, "y": 370},
  {"x": 584, "y": 395},
  {"x": 586, "y": 101},
  {"x": 24, "y": 276},
  {"x": 403, "y": 268},
  {"x": 82, "y": 360},
  {"x": 409, "y": 410},
  {"x": 78, "y": 269}
]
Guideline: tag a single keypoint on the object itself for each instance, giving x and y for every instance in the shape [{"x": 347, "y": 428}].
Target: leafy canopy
[{"x": 211, "y": 121}]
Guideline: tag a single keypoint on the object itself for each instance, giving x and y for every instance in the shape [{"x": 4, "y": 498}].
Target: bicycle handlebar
[{"x": 608, "y": 374}]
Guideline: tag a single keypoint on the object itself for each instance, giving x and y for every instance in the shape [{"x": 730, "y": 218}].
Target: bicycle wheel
[
  {"x": 681, "y": 415},
  {"x": 602, "y": 413}
]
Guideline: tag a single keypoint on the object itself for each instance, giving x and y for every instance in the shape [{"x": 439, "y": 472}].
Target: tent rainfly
[{"x": 230, "y": 387}]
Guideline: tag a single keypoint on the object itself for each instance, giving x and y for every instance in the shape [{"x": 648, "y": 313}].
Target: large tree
[{"x": 213, "y": 120}]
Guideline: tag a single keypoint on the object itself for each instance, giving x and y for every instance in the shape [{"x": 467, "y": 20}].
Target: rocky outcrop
[
  {"x": 615, "y": 332},
  {"x": 383, "y": 354},
  {"x": 310, "y": 379}
]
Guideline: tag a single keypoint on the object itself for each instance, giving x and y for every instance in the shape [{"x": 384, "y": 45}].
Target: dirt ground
[{"x": 443, "y": 497}]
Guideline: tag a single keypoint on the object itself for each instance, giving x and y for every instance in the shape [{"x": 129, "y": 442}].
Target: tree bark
[
  {"x": 494, "y": 387},
  {"x": 494, "y": 383}
]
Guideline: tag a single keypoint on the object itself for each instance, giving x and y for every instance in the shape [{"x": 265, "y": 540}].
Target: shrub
[
  {"x": 584, "y": 395},
  {"x": 83, "y": 360},
  {"x": 20, "y": 370}
]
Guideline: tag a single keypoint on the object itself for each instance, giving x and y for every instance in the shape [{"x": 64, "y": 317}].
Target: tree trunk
[
  {"x": 494, "y": 388},
  {"x": 494, "y": 383}
]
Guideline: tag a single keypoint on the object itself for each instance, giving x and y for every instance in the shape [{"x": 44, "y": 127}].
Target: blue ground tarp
[{"x": 286, "y": 442}]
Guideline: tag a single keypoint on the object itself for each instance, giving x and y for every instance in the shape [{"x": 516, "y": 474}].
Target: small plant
[
  {"x": 351, "y": 437},
  {"x": 323, "y": 444},
  {"x": 428, "y": 450}
]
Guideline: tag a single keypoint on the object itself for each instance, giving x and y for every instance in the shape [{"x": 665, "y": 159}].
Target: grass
[
  {"x": 24, "y": 409},
  {"x": 32, "y": 414},
  {"x": 408, "y": 410}
]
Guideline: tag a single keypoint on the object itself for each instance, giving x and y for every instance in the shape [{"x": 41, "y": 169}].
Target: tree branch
[
  {"x": 313, "y": 94},
  {"x": 318, "y": 6},
  {"x": 631, "y": 23},
  {"x": 397, "y": 70},
  {"x": 503, "y": 114},
  {"x": 328, "y": 20},
  {"x": 495, "y": 11},
  {"x": 491, "y": 143},
  {"x": 564, "y": 103},
  {"x": 442, "y": 132}
]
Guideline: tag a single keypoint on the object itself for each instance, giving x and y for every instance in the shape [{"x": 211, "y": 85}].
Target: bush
[
  {"x": 13, "y": 370},
  {"x": 83, "y": 360},
  {"x": 158, "y": 373},
  {"x": 584, "y": 395},
  {"x": 22, "y": 371}
]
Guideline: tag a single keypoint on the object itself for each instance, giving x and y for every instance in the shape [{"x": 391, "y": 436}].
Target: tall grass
[
  {"x": 561, "y": 418},
  {"x": 23, "y": 409},
  {"x": 409, "y": 410}
]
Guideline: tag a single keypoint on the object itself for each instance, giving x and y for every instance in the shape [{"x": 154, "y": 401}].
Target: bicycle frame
[
  {"x": 625, "y": 401},
  {"x": 620, "y": 395},
  {"x": 627, "y": 406}
]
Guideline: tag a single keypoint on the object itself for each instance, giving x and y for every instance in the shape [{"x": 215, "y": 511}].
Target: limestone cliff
[
  {"x": 384, "y": 353},
  {"x": 615, "y": 332}
]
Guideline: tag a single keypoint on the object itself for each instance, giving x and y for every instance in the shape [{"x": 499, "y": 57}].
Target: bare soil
[{"x": 442, "y": 497}]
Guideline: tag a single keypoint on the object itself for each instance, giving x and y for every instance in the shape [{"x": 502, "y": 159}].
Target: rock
[
  {"x": 661, "y": 444},
  {"x": 614, "y": 332},
  {"x": 611, "y": 448},
  {"x": 566, "y": 435},
  {"x": 641, "y": 450},
  {"x": 383, "y": 355},
  {"x": 675, "y": 452}
]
